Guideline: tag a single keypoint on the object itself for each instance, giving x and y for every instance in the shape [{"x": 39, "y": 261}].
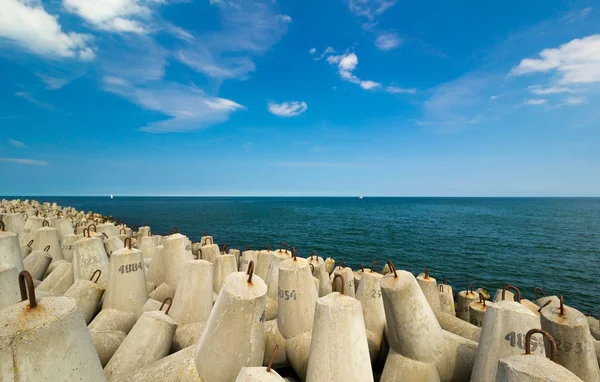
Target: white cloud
[
  {"x": 576, "y": 62},
  {"x": 29, "y": 98},
  {"x": 397, "y": 90},
  {"x": 328, "y": 50},
  {"x": 575, "y": 100},
  {"x": 25, "y": 161},
  {"x": 27, "y": 24},
  {"x": 113, "y": 15},
  {"x": 312, "y": 51},
  {"x": 287, "y": 109},
  {"x": 368, "y": 85},
  {"x": 284, "y": 18},
  {"x": 369, "y": 8},
  {"x": 387, "y": 41},
  {"x": 178, "y": 32},
  {"x": 538, "y": 90},
  {"x": 248, "y": 29},
  {"x": 493, "y": 97},
  {"x": 16, "y": 143},
  {"x": 187, "y": 107},
  {"x": 348, "y": 62},
  {"x": 111, "y": 80},
  {"x": 536, "y": 101}
]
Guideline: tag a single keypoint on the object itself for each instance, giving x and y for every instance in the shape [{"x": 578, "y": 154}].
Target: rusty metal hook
[
  {"x": 441, "y": 287},
  {"x": 272, "y": 358},
  {"x": 99, "y": 272},
  {"x": 481, "y": 299},
  {"x": 30, "y": 242},
  {"x": 47, "y": 248},
  {"x": 543, "y": 306},
  {"x": 200, "y": 251},
  {"x": 281, "y": 246},
  {"x": 163, "y": 304},
  {"x": 545, "y": 334},
  {"x": 508, "y": 286},
  {"x": 206, "y": 239},
  {"x": 471, "y": 289},
  {"x": 2, "y": 226},
  {"x": 45, "y": 223},
  {"x": 224, "y": 249},
  {"x": 250, "y": 271},
  {"x": 122, "y": 230},
  {"x": 294, "y": 253},
  {"x": 25, "y": 277},
  {"x": 316, "y": 255},
  {"x": 312, "y": 268},
  {"x": 93, "y": 225},
  {"x": 535, "y": 292},
  {"x": 362, "y": 268},
  {"x": 562, "y": 305},
  {"x": 342, "y": 282},
  {"x": 392, "y": 268},
  {"x": 373, "y": 264},
  {"x": 171, "y": 230},
  {"x": 128, "y": 240},
  {"x": 426, "y": 275}
]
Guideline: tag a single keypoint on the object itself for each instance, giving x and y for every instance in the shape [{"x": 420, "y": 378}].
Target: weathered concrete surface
[
  {"x": 10, "y": 250},
  {"x": 126, "y": 286},
  {"x": 339, "y": 349},
  {"x": 67, "y": 246},
  {"x": 531, "y": 306},
  {"x": 112, "y": 320},
  {"x": 297, "y": 298},
  {"x": 177, "y": 252},
  {"x": 209, "y": 252},
  {"x": 465, "y": 298},
  {"x": 49, "y": 342},
  {"x": 155, "y": 273},
  {"x": 9, "y": 285},
  {"x": 224, "y": 265},
  {"x": 258, "y": 374},
  {"x": 273, "y": 337},
  {"x": 149, "y": 340},
  {"x": 60, "y": 280},
  {"x": 348, "y": 278},
  {"x": 503, "y": 334},
  {"x": 263, "y": 262},
  {"x": 400, "y": 368},
  {"x": 508, "y": 296},
  {"x": 48, "y": 236},
  {"x": 37, "y": 264},
  {"x": 193, "y": 299},
  {"x": 112, "y": 244},
  {"x": 187, "y": 335},
  {"x": 14, "y": 222},
  {"x": 430, "y": 290},
  {"x": 571, "y": 331},
  {"x": 477, "y": 311},
  {"x": 298, "y": 351},
  {"x": 178, "y": 367},
  {"x": 247, "y": 257},
  {"x": 321, "y": 274},
  {"x": 446, "y": 299},
  {"x": 410, "y": 318},
  {"x": 235, "y": 327},
  {"x": 162, "y": 292},
  {"x": 88, "y": 256},
  {"x": 272, "y": 279},
  {"x": 106, "y": 344},
  {"x": 532, "y": 368},
  {"x": 87, "y": 295},
  {"x": 458, "y": 358},
  {"x": 369, "y": 295},
  {"x": 594, "y": 325}
]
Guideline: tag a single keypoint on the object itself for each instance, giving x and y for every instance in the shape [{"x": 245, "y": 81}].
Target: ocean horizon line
[{"x": 299, "y": 196}]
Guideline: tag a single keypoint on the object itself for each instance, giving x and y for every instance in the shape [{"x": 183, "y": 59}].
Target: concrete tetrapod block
[
  {"x": 149, "y": 340},
  {"x": 575, "y": 345},
  {"x": 87, "y": 295},
  {"x": 238, "y": 255},
  {"x": 32, "y": 224},
  {"x": 531, "y": 306},
  {"x": 48, "y": 342},
  {"x": 414, "y": 330},
  {"x": 143, "y": 231},
  {"x": 126, "y": 286},
  {"x": 339, "y": 349},
  {"x": 10, "y": 249},
  {"x": 162, "y": 292},
  {"x": 273, "y": 337},
  {"x": 247, "y": 257},
  {"x": 465, "y": 298},
  {"x": 321, "y": 274},
  {"x": 369, "y": 295},
  {"x": 106, "y": 344},
  {"x": 15, "y": 223},
  {"x": 348, "y": 278},
  {"x": 400, "y": 368},
  {"x": 446, "y": 299},
  {"x": 109, "y": 229},
  {"x": 177, "y": 252},
  {"x": 193, "y": 299},
  {"x": 430, "y": 290},
  {"x": 508, "y": 295},
  {"x": 272, "y": 279},
  {"x": 258, "y": 374},
  {"x": 112, "y": 244},
  {"x": 37, "y": 264},
  {"x": 329, "y": 265},
  {"x": 357, "y": 277},
  {"x": 456, "y": 363},
  {"x": 26, "y": 249},
  {"x": 112, "y": 320},
  {"x": 477, "y": 311},
  {"x": 52, "y": 267},
  {"x": 151, "y": 305},
  {"x": 9, "y": 285},
  {"x": 156, "y": 273},
  {"x": 89, "y": 256},
  {"x": 67, "y": 246},
  {"x": 224, "y": 265},
  {"x": 594, "y": 325},
  {"x": 187, "y": 335},
  {"x": 554, "y": 301},
  {"x": 178, "y": 367},
  {"x": 503, "y": 334},
  {"x": 297, "y": 299},
  {"x": 60, "y": 280},
  {"x": 209, "y": 252},
  {"x": 64, "y": 228},
  {"x": 532, "y": 368},
  {"x": 148, "y": 246},
  {"x": 263, "y": 262},
  {"x": 235, "y": 327},
  {"x": 48, "y": 236}
]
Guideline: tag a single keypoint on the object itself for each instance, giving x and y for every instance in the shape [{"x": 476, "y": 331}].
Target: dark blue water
[{"x": 553, "y": 243}]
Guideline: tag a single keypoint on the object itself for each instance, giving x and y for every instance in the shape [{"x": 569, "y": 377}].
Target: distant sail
[{"x": 111, "y": 196}]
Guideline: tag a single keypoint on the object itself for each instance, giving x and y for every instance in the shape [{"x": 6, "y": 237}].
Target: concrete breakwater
[{"x": 86, "y": 298}]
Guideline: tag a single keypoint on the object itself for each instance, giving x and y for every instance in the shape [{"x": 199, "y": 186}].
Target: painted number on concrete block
[
  {"x": 376, "y": 293},
  {"x": 131, "y": 267},
  {"x": 287, "y": 295},
  {"x": 518, "y": 339},
  {"x": 566, "y": 346}
]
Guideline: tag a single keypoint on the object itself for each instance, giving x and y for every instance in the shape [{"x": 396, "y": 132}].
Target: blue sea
[{"x": 553, "y": 243}]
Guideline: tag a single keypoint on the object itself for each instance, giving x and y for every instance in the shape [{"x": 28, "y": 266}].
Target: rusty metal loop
[
  {"x": 30, "y": 242},
  {"x": 312, "y": 269},
  {"x": 93, "y": 225},
  {"x": 469, "y": 287},
  {"x": 373, "y": 264},
  {"x": 97, "y": 271},
  {"x": 105, "y": 235},
  {"x": 545, "y": 334},
  {"x": 122, "y": 230},
  {"x": 169, "y": 307},
  {"x": 426, "y": 275},
  {"x": 342, "y": 264},
  {"x": 362, "y": 268},
  {"x": 206, "y": 239},
  {"x": 342, "y": 282},
  {"x": 47, "y": 248},
  {"x": 128, "y": 240},
  {"x": 562, "y": 305},
  {"x": 315, "y": 254},
  {"x": 282, "y": 244},
  {"x": 2, "y": 226},
  {"x": 248, "y": 247},
  {"x": 535, "y": 292},
  {"x": 543, "y": 306},
  {"x": 268, "y": 246},
  {"x": 200, "y": 251},
  {"x": 171, "y": 230},
  {"x": 392, "y": 268},
  {"x": 25, "y": 277},
  {"x": 224, "y": 248},
  {"x": 250, "y": 271},
  {"x": 512, "y": 287},
  {"x": 275, "y": 349},
  {"x": 88, "y": 232},
  {"x": 45, "y": 223},
  {"x": 26, "y": 216},
  {"x": 481, "y": 299},
  {"x": 441, "y": 287},
  {"x": 294, "y": 253}
]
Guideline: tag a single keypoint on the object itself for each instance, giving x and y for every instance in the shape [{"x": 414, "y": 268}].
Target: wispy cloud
[
  {"x": 130, "y": 16},
  {"x": 16, "y": 143},
  {"x": 575, "y": 100},
  {"x": 28, "y": 97},
  {"x": 387, "y": 41},
  {"x": 32, "y": 162},
  {"x": 370, "y": 8},
  {"x": 27, "y": 24},
  {"x": 346, "y": 64},
  {"x": 536, "y": 102},
  {"x": 327, "y": 51},
  {"x": 287, "y": 109},
  {"x": 397, "y": 90},
  {"x": 539, "y": 90}
]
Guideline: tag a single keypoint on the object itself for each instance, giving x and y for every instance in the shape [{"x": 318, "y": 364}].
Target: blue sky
[{"x": 280, "y": 97}]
